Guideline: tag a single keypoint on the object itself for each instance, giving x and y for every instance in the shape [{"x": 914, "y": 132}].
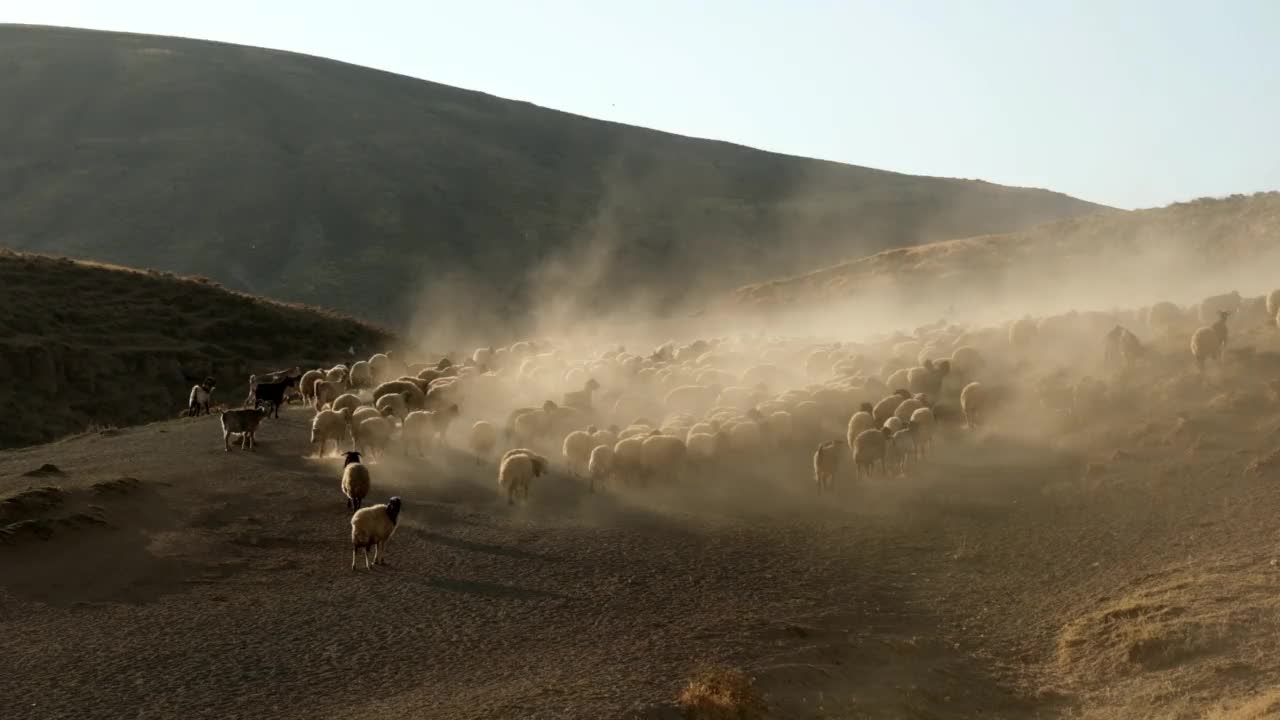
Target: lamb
[
  {"x": 272, "y": 393},
  {"x": 201, "y": 395},
  {"x": 244, "y": 421},
  {"x": 581, "y": 399},
  {"x": 355, "y": 480},
  {"x": 599, "y": 465},
  {"x": 826, "y": 460},
  {"x": 869, "y": 447},
  {"x": 1208, "y": 343},
  {"x": 483, "y": 438},
  {"x": 373, "y": 527},
  {"x": 329, "y": 425},
  {"x": 518, "y": 469},
  {"x": 577, "y": 450}
]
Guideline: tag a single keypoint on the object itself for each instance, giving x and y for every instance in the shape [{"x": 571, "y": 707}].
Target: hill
[
  {"x": 1180, "y": 253},
  {"x": 84, "y": 344},
  {"x": 316, "y": 181}
]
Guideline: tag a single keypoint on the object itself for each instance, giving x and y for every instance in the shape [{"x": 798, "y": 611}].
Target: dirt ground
[{"x": 1129, "y": 570}]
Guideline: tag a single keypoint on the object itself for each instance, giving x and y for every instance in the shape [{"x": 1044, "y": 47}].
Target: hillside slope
[
  {"x": 317, "y": 181},
  {"x": 84, "y": 344},
  {"x": 1175, "y": 252}
]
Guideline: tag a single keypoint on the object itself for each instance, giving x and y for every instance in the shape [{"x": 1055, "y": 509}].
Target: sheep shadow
[
  {"x": 493, "y": 590},
  {"x": 488, "y": 548}
]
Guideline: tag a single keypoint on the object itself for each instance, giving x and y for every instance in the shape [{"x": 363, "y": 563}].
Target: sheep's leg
[
  {"x": 366, "y": 558},
  {"x": 353, "y": 557},
  {"x": 226, "y": 440}
]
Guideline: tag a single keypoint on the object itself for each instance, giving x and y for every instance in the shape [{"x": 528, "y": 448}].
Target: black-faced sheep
[
  {"x": 372, "y": 527},
  {"x": 355, "y": 480}
]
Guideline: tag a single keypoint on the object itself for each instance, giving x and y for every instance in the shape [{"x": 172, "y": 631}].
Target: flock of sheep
[{"x": 710, "y": 407}]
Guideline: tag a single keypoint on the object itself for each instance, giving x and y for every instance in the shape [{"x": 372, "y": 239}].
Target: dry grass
[
  {"x": 92, "y": 346},
  {"x": 721, "y": 693}
]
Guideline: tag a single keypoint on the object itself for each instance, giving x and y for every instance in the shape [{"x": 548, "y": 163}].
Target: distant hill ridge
[{"x": 322, "y": 182}]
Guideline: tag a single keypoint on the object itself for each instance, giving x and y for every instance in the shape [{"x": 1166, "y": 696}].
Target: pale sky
[{"x": 1131, "y": 103}]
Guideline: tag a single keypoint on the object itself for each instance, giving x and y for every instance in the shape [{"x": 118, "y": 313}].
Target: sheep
[
  {"x": 201, "y": 396},
  {"x": 244, "y": 421},
  {"x": 599, "y": 465},
  {"x": 373, "y": 527},
  {"x": 482, "y": 440},
  {"x": 826, "y": 460},
  {"x": 518, "y": 469},
  {"x": 977, "y": 399},
  {"x": 864, "y": 419},
  {"x": 337, "y": 373},
  {"x": 662, "y": 455},
  {"x": 923, "y": 421},
  {"x": 894, "y": 424},
  {"x": 577, "y": 450},
  {"x": 903, "y": 411},
  {"x": 870, "y": 446},
  {"x": 346, "y": 402},
  {"x": 416, "y": 399},
  {"x": 628, "y": 457},
  {"x": 884, "y": 409},
  {"x": 416, "y": 431},
  {"x": 307, "y": 384},
  {"x": 355, "y": 480},
  {"x": 396, "y": 404},
  {"x": 902, "y": 447},
  {"x": 966, "y": 361},
  {"x": 326, "y": 391},
  {"x": 1022, "y": 333},
  {"x": 372, "y": 435},
  {"x": 1122, "y": 346},
  {"x": 581, "y": 399},
  {"x": 382, "y": 367},
  {"x": 1208, "y": 343},
  {"x": 928, "y": 378},
  {"x": 441, "y": 420},
  {"x": 361, "y": 414},
  {"x": 329, "y": 425},
  {"x": 361, "y": 374}
]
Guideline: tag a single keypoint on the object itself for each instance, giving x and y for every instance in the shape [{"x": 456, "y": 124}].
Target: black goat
[{"x": 272, "y": 394}]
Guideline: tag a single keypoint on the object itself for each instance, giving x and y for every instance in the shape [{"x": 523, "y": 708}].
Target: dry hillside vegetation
[
  {"x": 85, "y": 344},
  {"x": 1101, "y": 544},
  {"x": 1183, "y": 250},
  {"x": 316, "y": 181}
]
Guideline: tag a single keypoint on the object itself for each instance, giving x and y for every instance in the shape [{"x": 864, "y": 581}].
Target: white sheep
[
  {"x": 393, "y": 404},
  {"x": 1208, "y": 343},
  {"x": 361, "y": 375},
  {"x": 349, "y": 402},
  {"x": 868, "y": 448},
  {"x": 662, "y": 455},
  {"x": 363, "y": 413},
  {"x": 826, "y": 461},
  {"x": 482, "y": 440},
  {"x": 373, "y": 527},
  {"x": 581, "y": 399},
  {"x": 355, "y": 480},
  {"x": 307, "y": 385},
  {"x": 576, "y": 449},
  {"x": 894, "y": 424},
  {"x": 599, "y": 465},
  {"x": 902, "y": 447},
  {"x": 199, "y": 399},
  {"x": 417, "y": 431},
  {"x": 884, "y": 409},
  {"x": 518, "y": 469},
  {"x": 923, "y": 421},
  {"x": 372, "y": 435},
  {"x": 628, "y": 457},
  {"x": 416, "y": 399},
  {"x": 326, "y": 391},
  {"x": 329, "y": 425}
]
